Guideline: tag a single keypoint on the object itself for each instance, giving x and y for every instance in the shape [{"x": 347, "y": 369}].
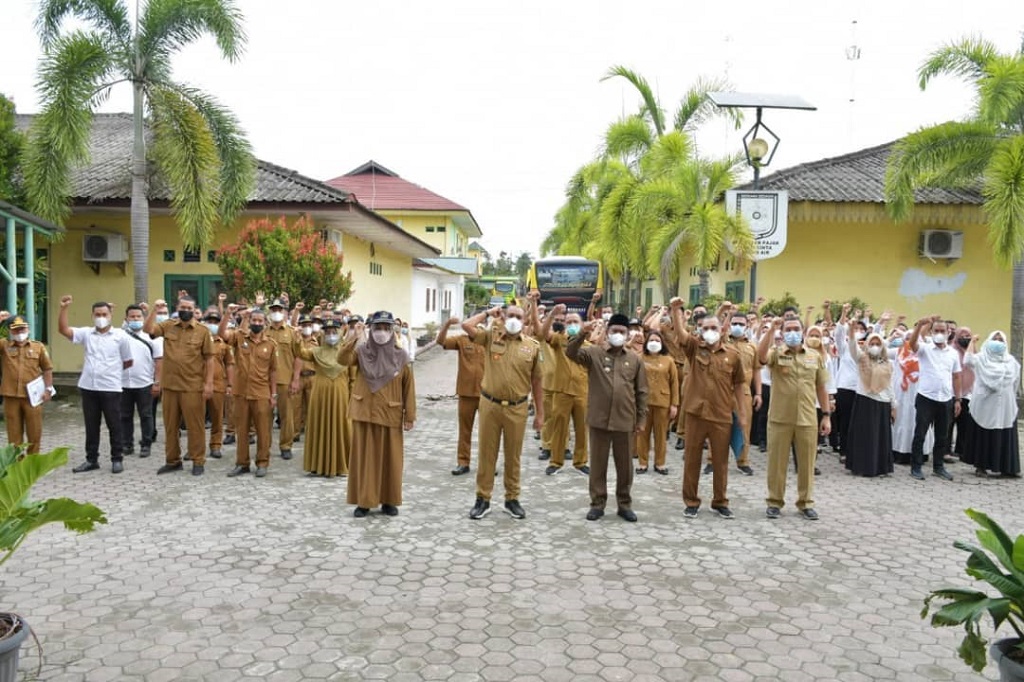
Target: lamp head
[{"x": 757, "y": 149}]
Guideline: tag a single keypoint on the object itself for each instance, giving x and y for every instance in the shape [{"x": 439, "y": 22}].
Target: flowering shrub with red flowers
[{"x": 273, "y": 256}]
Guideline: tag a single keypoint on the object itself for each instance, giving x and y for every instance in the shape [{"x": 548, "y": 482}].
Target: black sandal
[
  {"x": 641, "y": 470},
  {"x": 661, "y": 470}
]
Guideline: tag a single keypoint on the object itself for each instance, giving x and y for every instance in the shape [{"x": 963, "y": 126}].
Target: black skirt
[
  {"x": 965, "y": 427},
  {"x": 868, "y": 447},
  {"x": 996, "y": 450}
]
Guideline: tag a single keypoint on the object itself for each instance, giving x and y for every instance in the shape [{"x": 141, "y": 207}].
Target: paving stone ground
[{"x": 220, "y": 579}]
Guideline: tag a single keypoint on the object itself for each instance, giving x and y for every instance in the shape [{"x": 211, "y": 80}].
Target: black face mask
[
  {"x": 963, "y": 342},
  {"x": 185, "y": 315},
  {"x": 558, "y": 326},
  {"x": 697, "y": 317},
  {"x": 256, "y": 328}
]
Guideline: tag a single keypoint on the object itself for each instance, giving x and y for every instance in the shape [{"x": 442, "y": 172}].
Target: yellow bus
[{"x": 571, "y": 280}]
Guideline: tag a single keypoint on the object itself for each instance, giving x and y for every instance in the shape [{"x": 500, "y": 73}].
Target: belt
[
  {"x": 307, "y": 373},
  {"x": 505, "y": 403}
]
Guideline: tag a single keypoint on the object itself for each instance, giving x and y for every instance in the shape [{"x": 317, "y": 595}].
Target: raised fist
[{"x": 65, "y": 301}]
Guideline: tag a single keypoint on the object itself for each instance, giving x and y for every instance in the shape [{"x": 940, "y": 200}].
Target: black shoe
[
  {"x": 252, "y": 440},
  {"x": 481, "y": 509},
  {"x": 747, "y": 470},
  {"x": 544, "y": 455},
  {"x": 261, "y": 472},
  {"x": 641, "y": 470},
  {"x": 809, "y": 514},
  {"x": 198, "y": 469},
  {"x": 514, "y": 509},
  {"x": 725, "y": 512},
  {"x": 691, "y": 512},
  {"x": 286, "y": 454},
  {"x": 917, "y": 473},
  {"x": 679, "y": 444},
  {"x": 116, "y": 467},
  {"x": 360, "y": 512},
  {"x": 943, "y": 474},
  {"x": 296, "y": 439},
  {"x": 981, "y": 473},
  {"x": 229, "y": 439},
  {"x": 170, "y": 468},
  {"x": 460, "y": 470},
  {"x": 238, "y": 471},
  {"x": 145, "y": 451},
  {"x": 628, "y": 515},
  {"x": 389, "y": 509},
  {"x": 708, "y": 469},
  {"x": 585, "y": 470},
  {"x": 594, "y": 514},
  {"x": 128, "y": 452},
  {"x": 661, "y": 470},
  {"x": 552, "y": 470},
  {"x": 215, "y": 454},
  {"x": 773, "y": 512},
  {"x": 817, "y": 471}
]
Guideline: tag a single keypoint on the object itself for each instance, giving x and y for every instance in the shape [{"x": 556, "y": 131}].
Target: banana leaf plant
[{"x": 999, "y": 562}]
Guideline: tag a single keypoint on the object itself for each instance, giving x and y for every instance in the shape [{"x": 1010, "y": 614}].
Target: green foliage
[
  {"x": 775, "y": 306},
  {"x": 475, "y": 296},
  {"x": 19, "y": 515},
  {"x": 999, "y": 562},
  {"x": 271, "y": 255},
  {"x": 836, "y": 306},
  {"x": 11, "y": 143},
  {"x": 504, "y": 266}
]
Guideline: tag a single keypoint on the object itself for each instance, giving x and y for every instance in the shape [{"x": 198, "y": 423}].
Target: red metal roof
[{"x": 378, "y": 188}]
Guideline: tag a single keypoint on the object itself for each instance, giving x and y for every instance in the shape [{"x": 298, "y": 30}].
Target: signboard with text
[{"x": 767, "y": 214}]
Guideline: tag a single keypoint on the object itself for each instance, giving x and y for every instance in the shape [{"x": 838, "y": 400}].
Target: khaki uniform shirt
[
  {"x": 796, "y": 376},
  {"x": 253, "y": 362},
  {"x": 471, "y": 365},
  {"x": 709, "y": 392},
  {"x": 547, "y": 367},
  {"x": 748, "y": 358},
  {"x": 20, "y": 365},
  {"x": 662, "y": 380},
  {"x": 617, "y": 385},
  {"x": 221, "y": 359},
  {"x": 511, "y": 363},
  {"x": 393, "y": 404},
  {"x": 187, "y": 345},
  {"x": 288, "y": 340},
  {"x": 309, "y": 343},
  {"x": 568, "y": 377}
]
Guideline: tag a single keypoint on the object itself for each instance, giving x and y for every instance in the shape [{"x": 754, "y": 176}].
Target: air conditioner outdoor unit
[
  {"x": 942, "y": 244},
  {"x": 104, "y": 248}
]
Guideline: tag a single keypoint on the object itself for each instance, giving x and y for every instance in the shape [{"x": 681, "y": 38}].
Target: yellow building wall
[
  {"x": 451, "y": 242},
  {"x": 391, "y": 290}
]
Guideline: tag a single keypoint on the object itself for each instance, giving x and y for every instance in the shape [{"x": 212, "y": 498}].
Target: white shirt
[
  {"x": 938, "y": 365},
  {"x": 105, "y": 355},
  {"x": 847, "y": 376},
  {"x": 142, "y": 373}
]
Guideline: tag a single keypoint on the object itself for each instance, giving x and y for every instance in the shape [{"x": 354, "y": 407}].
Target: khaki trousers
[
  {"x": 286, "y": 415},
  {"x": 229, "y": 414},
  {"x": 468, "y": 408},
  {"x": 744, "y": 414},
  {"x": 302, "y": 403},
  {"x": 656, "y": 425},
  {"x": 249, "y": 414},
  {"x": 215, "y": 407},
  {"x": 500, "y": 426},
  {"x": 717, "y": 433},
  {"x": 545, "y": 431},
  {"x": 24, "y": 423},
  {"x": 601, "y": 441},
  {"x": 563, "y": 407},
  {"x": 805, "y": 440},
  {"x": 187, "y": 406},
  {"x": 681, "y": 417}
]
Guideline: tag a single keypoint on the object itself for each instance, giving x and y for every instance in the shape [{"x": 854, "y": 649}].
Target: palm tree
[
  {"x": 198, "y": 150},
  {"x": 986, "y": 151}
]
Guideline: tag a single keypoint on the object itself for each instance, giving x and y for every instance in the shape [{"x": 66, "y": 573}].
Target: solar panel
[{"x": 760, "y": 101}]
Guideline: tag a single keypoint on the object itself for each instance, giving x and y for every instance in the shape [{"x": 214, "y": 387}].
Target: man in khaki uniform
[
  {"x": 467, "y": 387},
  {"x": 512, "y": 370},
  {"x": 744, "y": 410},
  {"x": 616, "y": 411},
  {"x": 187, "y": 382},
  {"x": 714, "y": 384},
  {"x": 798, "y": 377},
  {"x": 21, "y": 362},
  {"x": 568, "y": 391},
  {"x": 215, "y": 406},
  {"x": 669, "y": 337},
  {"x": 288, "y": 371},
  {"x": 301, "y": 401},
  {"x": 254, "y": 388}
]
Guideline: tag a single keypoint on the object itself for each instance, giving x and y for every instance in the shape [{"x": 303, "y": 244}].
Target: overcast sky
[{"x": 495, "y": 104}]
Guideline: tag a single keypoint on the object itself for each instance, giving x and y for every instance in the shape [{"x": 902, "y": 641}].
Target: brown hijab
[
  {"x": 379, "y": 363},
  {"x": 875, "y": 373}
]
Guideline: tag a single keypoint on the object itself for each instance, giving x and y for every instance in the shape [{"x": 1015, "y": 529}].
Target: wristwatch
[{"x": 826, "y": 414}]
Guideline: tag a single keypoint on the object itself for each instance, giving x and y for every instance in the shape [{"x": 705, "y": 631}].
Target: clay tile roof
[
  {"x": 857, "y": 178},
  {"x": 381, "y": 189}
]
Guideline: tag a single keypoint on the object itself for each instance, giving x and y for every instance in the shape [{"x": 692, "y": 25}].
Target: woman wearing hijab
[
  {"x": 963, "y": 422},
  {"x": 994, "y": 408},
  {"x": 383, "y": 403},
  {"x": 904, "y": 388},
  {"x": 663, "y": 402},
  {"x": 868, "y": 449},
  {"x": 328, "y": 428}
]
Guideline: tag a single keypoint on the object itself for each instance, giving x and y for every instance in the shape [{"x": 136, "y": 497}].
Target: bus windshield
[
  {"x": 567, "y": 276},
  {"x": 504, "y": 287}
]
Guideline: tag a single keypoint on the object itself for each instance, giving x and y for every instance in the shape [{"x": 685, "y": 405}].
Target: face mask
[
  {"x": 633, "y": 333},
  {"x": 896, "y": 342},
  {"x": 276, "y": 317},
  {"x": 606, "y": 316},
  {"x": 939, "y": 339},
  {"x": 826, "y": 341},
  {"x": 101, "y": 322},
  {"x": 316, "y": 327},
  {"x": 185, "y": 315},
  {"x": 405, "y": 331},
  {"x": 737, "y": 331},
  {"x": 617, "y": 339},
  {"x": 213, "y": 327},
  {"x": 20, "y": 338},
  {"x": 573, "y": 329},
  {"x": 995, "y": 347},
  {"x": 654, "y": 347},
  {"x": 793, "y": 339},
  {"x": 558, "y": 326},
  {"x": 307, "y": 331},
  {"x": 513, "y": 325},
  {"x": 135, "y": 325},
  {"x": 256, "y": 328},
  {"x": 711, "y": 337},
  {"x": 331, "y": 339},
  {"x": 874, "y": 351},
  {"x": 813, "y": 342},
  {"x": 859, "y": 336},
  {"x": 162, "y": 317},
  {"x": 381, "y": 336},
  {"x": 963, "y": 341}
]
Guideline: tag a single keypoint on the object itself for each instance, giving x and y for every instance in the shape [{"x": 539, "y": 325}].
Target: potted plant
[
  {"x": 19, "y": 516},
  {"x": 967, "y": 607}
]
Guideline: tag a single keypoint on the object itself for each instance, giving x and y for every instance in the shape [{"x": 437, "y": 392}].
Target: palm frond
[
  {"x": 186, "y": 155},
  {"x": 628, "y": 139},
  {"x": 670, "y": 151},
  {"x": 697, "y": 108},
  {"x": 1001, "y": 91},
  {"x": 965, "y": 59},
  {"x": 108, "y": 17},
  {"x": 237, "y": 164},
  {"x": 651, "y": 108},
  {"x": 931, "y": 153},
  {"x": 616, "y": 233},
  {"x": 166, "y": 26},
  {"x": 1004, "y": 200},
  {"x": 71, "y": 82}
]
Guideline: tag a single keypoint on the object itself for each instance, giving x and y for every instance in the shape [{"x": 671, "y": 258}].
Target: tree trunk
[
  {"x": 705, "y": 284},
  {"x": 626, "y": 290},
  {"x": 1016, "y": 340},
  {"x": 140, "y": 202}
]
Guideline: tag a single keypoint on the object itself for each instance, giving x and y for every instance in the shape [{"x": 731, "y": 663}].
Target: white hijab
[
  {"x": 994, "y": 403},
  {"x": 997, "y": 371}
]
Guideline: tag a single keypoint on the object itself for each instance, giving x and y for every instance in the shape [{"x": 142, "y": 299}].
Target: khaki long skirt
[
  {"x": 375, "y": 473},
  {"x": 328, "y": 428}
]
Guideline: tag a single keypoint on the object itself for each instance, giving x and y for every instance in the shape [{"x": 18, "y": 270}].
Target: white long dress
[{"x": 904, "y": 389}]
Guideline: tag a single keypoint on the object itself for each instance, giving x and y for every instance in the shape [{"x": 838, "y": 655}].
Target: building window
[
  {"x": 734, "y": 291},
  {"x": 211, "y": 256},
  {"x": 648, "y": 298},
  {"x": 427, "y": 308},
  {"x": 169, "y": 256},
  {"x": 376, "y": 268},
  {"x": 441, "y": 228},
  {"x": 434, "y": 308},
  {"x": 447, "y": 299},
  {"x": 430, "y": 228},
  {"x": 191, "y": 256},
  {"x": 694, "y": 294}
]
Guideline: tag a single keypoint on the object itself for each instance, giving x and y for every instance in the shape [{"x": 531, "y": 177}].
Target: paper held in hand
[{"x": 36, "y": 389}]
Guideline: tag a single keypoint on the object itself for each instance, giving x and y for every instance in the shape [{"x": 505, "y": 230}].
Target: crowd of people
[{"x": 877, "y": 392}]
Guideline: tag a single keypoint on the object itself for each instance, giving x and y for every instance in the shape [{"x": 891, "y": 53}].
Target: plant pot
[
  {"x": 10, "y": 646},
  {"x": 1009, "y": 669}
]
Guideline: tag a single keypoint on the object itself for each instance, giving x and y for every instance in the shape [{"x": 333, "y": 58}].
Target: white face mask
[
  {"x": 874, "y": 351},
  {"x": 654, "y": 347},
  {"x": 513, "y": 325},
  {"x": 21, "y": 337},
  {"x": 711, "y": 337},
  {"x": 101, "y": 322},
  {"x": 213, "y": 327},
  {"x": 331, "y": 339},
  {"x": 381, "y": 336},
  {"x": 939, "y": 339},
  {"x": 859, "y": 336},
  {"x": 617, "y": 339},
  {"x": 606, "y": 316},
  {"x": 162, "y": 317},
  {"x": 277, "y": 317},
  {"x": 307, "y": 331},
  {"x": 316, "y": 327}
]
